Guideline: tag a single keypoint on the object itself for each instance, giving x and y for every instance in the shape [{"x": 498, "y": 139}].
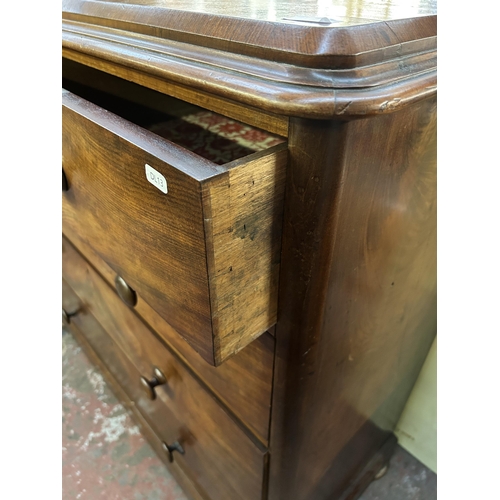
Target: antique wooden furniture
[{"x": 264, "y": 316}]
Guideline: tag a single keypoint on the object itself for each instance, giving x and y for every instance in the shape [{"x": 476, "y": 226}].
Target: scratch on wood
[{"x": 343, "y": 109}]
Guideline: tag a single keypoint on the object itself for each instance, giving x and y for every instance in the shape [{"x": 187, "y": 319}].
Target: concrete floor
[{"x": 104, "y": 455}]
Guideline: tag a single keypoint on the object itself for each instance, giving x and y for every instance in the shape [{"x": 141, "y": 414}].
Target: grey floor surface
[{"x": 406, "y": 479}]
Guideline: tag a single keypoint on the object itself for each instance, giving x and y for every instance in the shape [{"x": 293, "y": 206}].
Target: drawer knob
[
  {"x": 149, "y": 385},
  {"x": 65, "y": 185},
  {"x": 125, "y": 292},
  {"x": 66, "y": 316},
  {"x": 170, "y": 448}
]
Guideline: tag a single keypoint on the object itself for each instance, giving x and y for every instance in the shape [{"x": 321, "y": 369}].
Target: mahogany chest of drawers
[{"x": 249, "y": 221}]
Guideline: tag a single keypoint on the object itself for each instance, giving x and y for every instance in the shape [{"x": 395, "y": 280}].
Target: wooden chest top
[{"x": 291, "y": 58}]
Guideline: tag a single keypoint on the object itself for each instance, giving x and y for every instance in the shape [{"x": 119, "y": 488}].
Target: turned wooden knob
[
  {"x": 66, "y": 316},
  {"x": 148, "y": 386},
  {"x": 170, "y": 448},
  {"x": 125, "y": 292},
  {"x": 65, "y": 185}
]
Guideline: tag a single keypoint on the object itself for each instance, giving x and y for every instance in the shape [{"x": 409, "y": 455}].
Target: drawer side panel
[{"x": 243, "y": 212}]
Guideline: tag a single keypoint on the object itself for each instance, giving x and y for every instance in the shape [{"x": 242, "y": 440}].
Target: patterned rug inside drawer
[{"x": 215, "y": 137}]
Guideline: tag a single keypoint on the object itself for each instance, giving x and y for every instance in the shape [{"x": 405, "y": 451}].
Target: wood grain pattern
[
  {"x": 354, "y": 68},
  {"x": 287, "y": 12},
  {"x": 243, "y": 280},
  {"x": 401, "y": 73},
  {"x": 398, "y": 62},
  {"x": 156, "y": 241},
  {"x": 308, "y": 45},
  {"x": 110, "y": 202},
  {"x": 356, "y": 310},
  {"x": 243, "y": 383},
  {"x": 84, "y": 68},
  {"x": 103, "y": 344},
  {"x": 219, "y": 457},
  {"x": 357, "y": 294}
]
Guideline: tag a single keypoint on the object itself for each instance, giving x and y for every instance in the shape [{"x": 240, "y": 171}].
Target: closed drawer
[
  {"x": 203, "y": 250},
  {"x": 108, "y": 357},
  {"x": 243, "y": 383},
  {"x": 211, "y": 449}
]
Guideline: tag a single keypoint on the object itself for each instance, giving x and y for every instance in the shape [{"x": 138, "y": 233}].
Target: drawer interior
[{"x": 208, "y": 134}]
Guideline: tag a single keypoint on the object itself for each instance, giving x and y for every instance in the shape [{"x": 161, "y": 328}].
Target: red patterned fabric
[{"x": 215, "y": 137}]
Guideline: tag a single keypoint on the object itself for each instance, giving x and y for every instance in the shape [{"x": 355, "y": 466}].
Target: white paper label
[{"x": 156, "y": 178}]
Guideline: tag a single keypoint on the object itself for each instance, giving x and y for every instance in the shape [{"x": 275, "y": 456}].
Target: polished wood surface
[
  {"x": 357, "y": 294},
  {"x": 103, "y": 344},
  {"x": 374, "y": 67},
  {"x": 307, "y": 12},
  {"x": 172, "y": 237},
  {"x": 237, "y": 28},
  {"x": 352, "y": 85},
  {"x": 243, "y": 384},
  {"x": 219, "y": 457}
]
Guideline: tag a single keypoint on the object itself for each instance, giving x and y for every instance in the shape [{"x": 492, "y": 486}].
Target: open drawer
[{"x": 198, "y": 241}]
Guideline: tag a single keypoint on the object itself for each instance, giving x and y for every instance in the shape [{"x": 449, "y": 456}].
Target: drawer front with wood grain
[
  {"x": 109, "y": 362},
  {"x": 243, "y": 383},
  {"x": 194, "y": 431},
  {"x": 198, "y": 241}
]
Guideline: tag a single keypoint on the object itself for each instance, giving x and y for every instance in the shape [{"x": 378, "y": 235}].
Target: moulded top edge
[{"x": 307, "y": 30}]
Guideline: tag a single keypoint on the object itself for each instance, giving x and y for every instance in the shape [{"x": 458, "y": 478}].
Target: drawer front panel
[
  {"x": 111, "y": 362},
  {"x": 154, "y": 241},
  {"x": 243, "y": 383},
  {"x": 218, "y": 456},
  {"x": 205, "y": 254}
]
